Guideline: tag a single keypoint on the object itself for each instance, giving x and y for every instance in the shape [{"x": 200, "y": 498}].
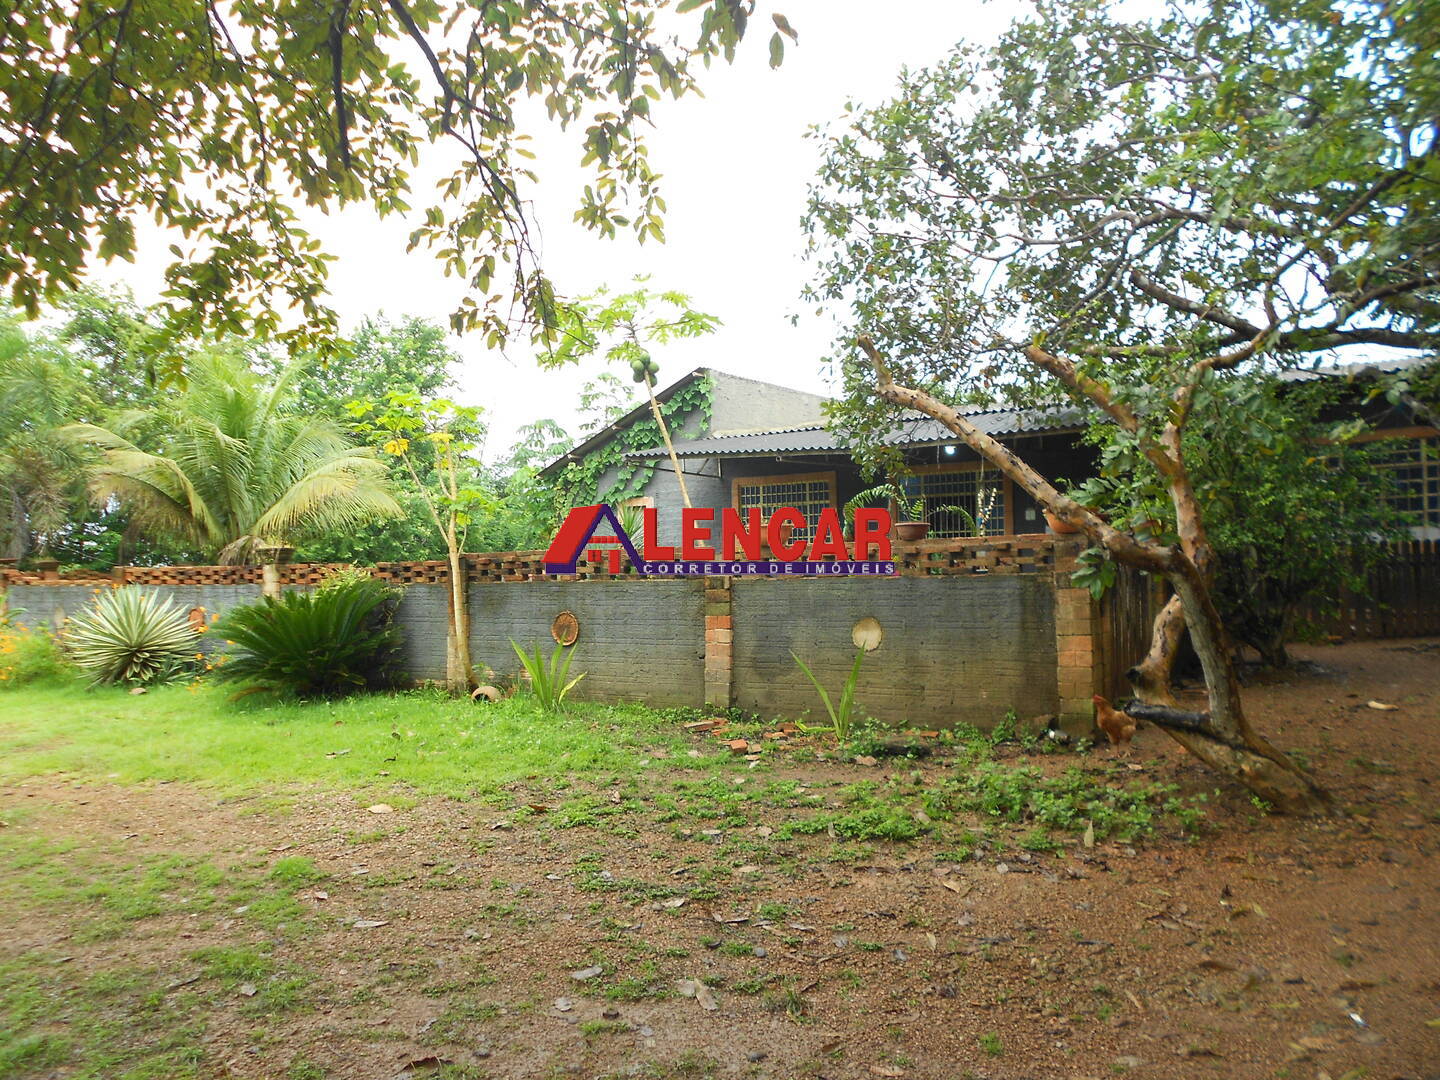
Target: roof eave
[{"x": 615, "y": 427}]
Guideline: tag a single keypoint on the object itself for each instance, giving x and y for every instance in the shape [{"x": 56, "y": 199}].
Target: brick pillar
[
  {"x": 719, "y": 642},
  {"x": 1078, "y": 651}
]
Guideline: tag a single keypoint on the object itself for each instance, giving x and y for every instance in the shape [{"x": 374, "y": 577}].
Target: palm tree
[
  {"x": 41, "y": 477},
  {"x": 239, "y": 467}
]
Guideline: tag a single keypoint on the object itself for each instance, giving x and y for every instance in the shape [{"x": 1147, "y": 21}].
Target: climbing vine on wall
[{"x": 580, "y": 482}]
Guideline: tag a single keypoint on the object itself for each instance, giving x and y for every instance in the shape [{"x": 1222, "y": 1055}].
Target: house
[{"x": 766, "y": 446}]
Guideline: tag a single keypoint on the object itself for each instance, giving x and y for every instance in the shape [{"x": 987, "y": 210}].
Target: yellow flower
[{"x": 397, "y": 446}]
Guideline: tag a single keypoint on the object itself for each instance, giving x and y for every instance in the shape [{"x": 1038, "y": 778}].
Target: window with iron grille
[
  {"x": 1413, "y": 466},
  {"x": 983, "y": 499},
  {"x": 806, "y": 495}
]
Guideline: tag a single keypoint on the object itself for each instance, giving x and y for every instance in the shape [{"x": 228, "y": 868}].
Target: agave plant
[
  {"x": 334, "y": 641},
  {"x": 130, "y": 635},
  {"x": 547, "y": 680}
]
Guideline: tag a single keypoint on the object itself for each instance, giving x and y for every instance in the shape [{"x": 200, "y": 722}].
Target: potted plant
[{"x": 914, "y": 523}]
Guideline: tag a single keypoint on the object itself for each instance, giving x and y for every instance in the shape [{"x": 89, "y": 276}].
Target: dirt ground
[{"x": 1267, "y": 947}]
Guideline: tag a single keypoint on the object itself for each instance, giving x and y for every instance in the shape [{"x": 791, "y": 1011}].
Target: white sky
[{"x": 735, "y": 170}]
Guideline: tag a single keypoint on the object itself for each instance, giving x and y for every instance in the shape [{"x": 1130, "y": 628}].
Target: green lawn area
[
  {"x": 419, "y": 740},
  {"x": 148, "y": 948}
]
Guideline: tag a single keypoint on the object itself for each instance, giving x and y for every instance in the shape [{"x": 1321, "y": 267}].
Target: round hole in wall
[
  {"x": 867, "y": 634},
  {"x": 566, "y": 628}
]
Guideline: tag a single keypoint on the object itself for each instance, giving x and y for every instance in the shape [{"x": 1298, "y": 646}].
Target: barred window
[
  {"x": 981, "y": 502},
  {"x": 808, "y": 494},
  {"x": 1413, "y": 466}
]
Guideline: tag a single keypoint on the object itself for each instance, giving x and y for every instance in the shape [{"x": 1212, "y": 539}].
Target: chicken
[{"x": 1119, "y": 727}]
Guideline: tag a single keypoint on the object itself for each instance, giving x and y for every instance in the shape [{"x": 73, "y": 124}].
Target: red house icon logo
[{"x": 579, "y": 532}]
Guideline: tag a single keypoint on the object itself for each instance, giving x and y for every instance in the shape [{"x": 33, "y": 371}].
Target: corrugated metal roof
[
  {"x": 1388, "y": 366},
  {"x": 917, "y": 431}
]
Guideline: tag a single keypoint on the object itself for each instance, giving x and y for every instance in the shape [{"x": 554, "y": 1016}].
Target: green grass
[{"x": 432, "y": 743}]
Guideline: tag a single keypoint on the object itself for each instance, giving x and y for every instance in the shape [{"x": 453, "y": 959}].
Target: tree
[
  {"x": 1113, "y": 212},
  {"x": 1293, "y": 505},
  {"x": 624, "y": 326},
  {"x": 410, "y": 354},
  {"x": 404, "y": 425},
  {"x": 238, "y": 467},
  {"x": 221, "y": 120},
  {"x": 41, "y": 479}
]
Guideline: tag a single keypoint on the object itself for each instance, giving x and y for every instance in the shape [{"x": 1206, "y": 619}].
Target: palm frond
[{"x": 236, "y": 464}]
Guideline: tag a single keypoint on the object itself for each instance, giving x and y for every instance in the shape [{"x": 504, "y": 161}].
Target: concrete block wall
[
  {"x": 952, "y": 651},
  {"x": 640, "y": 640},
  {"x": 424, "y": 618},
  {"x": 957, "y": 646},
  {"x": 51, "y": 605}
]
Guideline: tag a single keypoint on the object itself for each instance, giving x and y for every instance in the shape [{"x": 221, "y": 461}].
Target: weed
[
  {"x": 841, "y": 715},
  {"x": 591, "y": 1028},
  {"x": 548, "y": 682},
  {"x": 296, "y": 871}
]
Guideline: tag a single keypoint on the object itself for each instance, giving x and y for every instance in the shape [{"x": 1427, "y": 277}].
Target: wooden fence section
[
  {"x": 1127, "y": 617},
  {"x": 1402, "y": 598}
]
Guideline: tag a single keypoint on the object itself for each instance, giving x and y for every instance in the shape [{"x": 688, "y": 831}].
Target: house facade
[{"x": 767, "y": 446}]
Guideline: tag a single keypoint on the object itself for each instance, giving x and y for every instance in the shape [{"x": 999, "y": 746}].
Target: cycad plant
[
  {"x": 236, "y": 465},
  {"x": 130, "y": 635},
  {"x": 333, "y": 641},
  {"x": 548, "y": 680}
]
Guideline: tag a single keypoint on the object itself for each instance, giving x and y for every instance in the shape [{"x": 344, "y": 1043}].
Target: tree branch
[{"x": 1147, "y": 556}]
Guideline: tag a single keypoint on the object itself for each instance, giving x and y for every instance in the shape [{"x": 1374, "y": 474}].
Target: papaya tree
[
  {"x": 1112, "y": 212},
  {"x": 623, "y": 328},
  {"x": 437, "y": 442}
]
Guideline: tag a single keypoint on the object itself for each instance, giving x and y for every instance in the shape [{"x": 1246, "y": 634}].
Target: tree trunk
[
  {"x": 459, "y": 671},
  {"x": 1230, "y": 747},
  {"x": 669, "y": 445},
  {"x": 19, "y": 542}
]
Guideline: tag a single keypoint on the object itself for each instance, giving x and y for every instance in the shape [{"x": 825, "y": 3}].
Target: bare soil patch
[{"x": 445, "y": 936}]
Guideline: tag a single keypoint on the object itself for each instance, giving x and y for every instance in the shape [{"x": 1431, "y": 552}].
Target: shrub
[
  {"x": 28, "y": 656},
  {"x": 130, "y": 636},
  {"x": 337, "y": 640}
]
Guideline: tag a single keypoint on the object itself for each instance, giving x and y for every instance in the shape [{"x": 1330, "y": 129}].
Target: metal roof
[
  {"x": 608, "y": 432},
  {"x": 1364, "y": 369},
  {"x": 915, "y": 431}
]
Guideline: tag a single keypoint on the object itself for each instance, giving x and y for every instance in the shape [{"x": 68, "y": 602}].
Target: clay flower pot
[
  {"x": 1059, "y": 526},
  {"x": 910, "y": 531}
]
